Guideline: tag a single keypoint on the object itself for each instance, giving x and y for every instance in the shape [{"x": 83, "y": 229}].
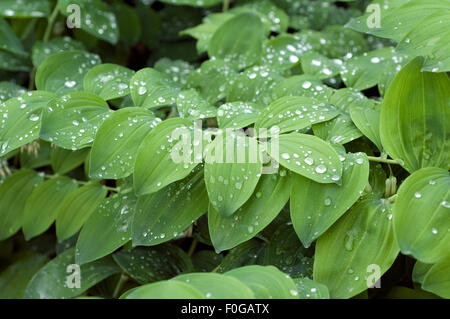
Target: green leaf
[
  {"x": 217, "y": 286},
  {"x": 97, "y": 18},
  {"x": 315, "y": 207},
  {"x": 151, "y": 89},
  {"x": 14, "y": 192},
  {"x": 128, "y": 22},
  {"x": 72, "y": 121},
  {"x": 309, "y": 289},
  {"x": 12, "y": 62},
  {"x": 437, "y": 280},
  {"x": 63, "y": 161},
  {"x": 292, "y": 113},
  {"x": 15, "y": 278},
  {"x": 77, "y": 208},
  {"x": 42, "y": 206},
  {"x": 8, "y": 40},
  {"x": 193, "y": 3},
  {"x": 231, "y": 179},
  {"x": 109, "y": 226},
  {"x": 420, "y": 270},
  {"x": 254, "y": 85},
  {"x": 302, "y": 85},
  {"x": 116, "y": 143},
  {"x": 9, "y": 90},
  {"x": 237, "y": 114},
  {"x": 273, "y": 18},
  {"x": 349, "y": 254},
  {"x": 368, "y": 122},
  {"x": 421, "y": 210},
  {"x": 192, "y": 106},
  {"x": 320, "y": 66},
  {"x": 50, "y": 282},
  {"x": 309, "y": 156},
  {"x": 416, "y": 100},
  {"x": 165, "y": 215},
  {"x": 238, "y": 41},
  {"x": 108, "y": 81},
  {"x": 35, "y": 155},
  {"x": 213, "y": 80},
  {"x": 42, "y": 50},
  {"x": 156, "y": 163},
  {"x": 269, "y": 197},
  {"x": 362, "y": 72},
  {"x": 286, "y": 252},
  {"x": 204, "y": 32},
  {"x": 178, "y": 70},
  {"x": 266, "y": 282},
  {"x": 339, "y": 130},
  {"x": 245, "y": 254},
  {"x": 206, "y": 260},
  {"x": 24, "y": 8},
  {"x": 63, "y": 72},
  {"x": 164, "y": 290},
  {"x": 152, "y": 264},
  {"x": 21, "y": 119}
]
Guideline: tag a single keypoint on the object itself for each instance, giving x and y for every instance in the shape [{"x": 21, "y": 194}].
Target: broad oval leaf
[
  {"x": 108, "y": 81},
  {"x": 164, "y": 215},
  {"x": 21, "y": 119},
  {"x": 109, "y": 227},
  {"x": 14, "y": 192},
  {"x": 25, "y": 8},
  {"x": 416, "y": 100},
  {"x": 217, "y": 286},
  {"x": 63, "y": 72},
  {"x": 437, "y": 279},
  {"x": 63, "y": 161},
  {"x": 238, "y": 41},
  {"x": 158, "y": 160},
  {"x": 368, "y": 122},
  {"x": 151, "y": 89},
  {"x": 117, "y": 140},
  {"x": 237, "y": 114},
  {"x": 315, "y": 207},
  {"x": 269, "y": 197},
  {"x": 152, "y": 264},
  {"x": 421, "y": 211},
  {"x": 232, "y": 170},
  {"x": 42, "y": 50},
  {"x": 77, "y": 208},
  {"x": 291, "y": 113},
  {"x": 309, "y": 156},
  {"x": 72, "y": 121},
  {"x": 357, "y": 248},
  {"x": 15, "y": 278},
  {"x": 42, "y": 206},
  {"x": 96, "y": 18},
  {"x": 309, "y": 289},
  {"x": 266, "y": 282},
  {"x": 164, "y": 290},
  {"x": 50, "y": 282}
]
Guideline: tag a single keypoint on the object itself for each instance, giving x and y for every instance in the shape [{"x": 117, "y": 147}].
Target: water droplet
[
  {"x": 320, "y": 169},
  {"x": 417, "y": 195}
]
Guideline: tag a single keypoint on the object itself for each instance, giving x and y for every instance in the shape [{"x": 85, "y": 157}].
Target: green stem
[
  {"x": 123, "y": 279},
  {"x": 50, "y": 24},
  {"x": 112, "y": 189},
  {"x": 32, "y": 78},
  {"x": 383, "y": 160},
  {"x": 226, "y": 5},
  {"x": 30, "y": 27},
  {"x": 192, "y": 248}
]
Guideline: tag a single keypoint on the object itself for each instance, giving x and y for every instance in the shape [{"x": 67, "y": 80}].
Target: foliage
[{"x": 349, "y": 192}]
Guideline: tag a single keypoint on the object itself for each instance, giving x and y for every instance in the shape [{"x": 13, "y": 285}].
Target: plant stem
[
  {"x": 123, "y": 279},
  {"x": 192, "y": 248},
  {"x": 226, "y": 5},
  {"x": 384, "y": 160},
  {"x": 112, "y": 189},
  {"x": 50, "y": 24}
]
